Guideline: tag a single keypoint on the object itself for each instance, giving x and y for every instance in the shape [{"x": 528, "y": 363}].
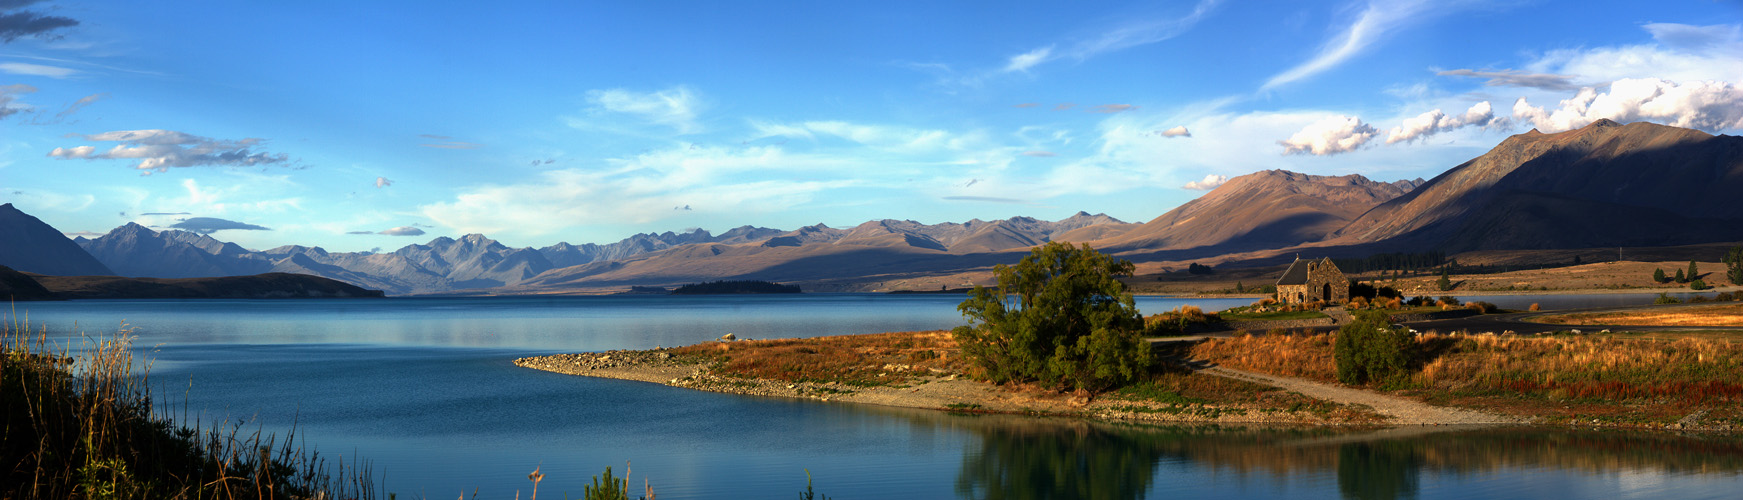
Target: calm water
[{"x": 424, "y": 388}]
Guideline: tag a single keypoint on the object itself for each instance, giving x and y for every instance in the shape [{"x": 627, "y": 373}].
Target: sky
[{"x": 360, "y": 126}]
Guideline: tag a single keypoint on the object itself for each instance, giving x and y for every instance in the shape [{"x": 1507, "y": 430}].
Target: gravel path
[{"x": 1403, "y": 411}]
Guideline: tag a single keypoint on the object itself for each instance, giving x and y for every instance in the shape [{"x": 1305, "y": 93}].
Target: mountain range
[{"x": 1606, "y": 184}]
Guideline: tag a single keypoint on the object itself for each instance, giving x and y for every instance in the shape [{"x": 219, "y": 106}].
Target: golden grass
[
  {"x": 1718, "y": 315},
  {"x": 864, "y": 360},
  {"x": 1306, "y": 356}
]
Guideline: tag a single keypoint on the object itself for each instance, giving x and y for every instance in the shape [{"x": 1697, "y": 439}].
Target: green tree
[
  {"x": 1059, "y": 318},
  {"x": 1445, "y": 282},
  {"x": 1680, "y": 278},
  {"x": 1369, "y": 350},
  {"x": 1658, "y": 276},
  {"x": 1698, "y": 285},
  {"x": 1734, "y": 265},
  {"x": 1693, "y": 273}
]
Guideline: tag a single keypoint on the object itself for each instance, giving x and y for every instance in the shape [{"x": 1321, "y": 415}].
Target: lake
[{"x": 424, "y": 389}]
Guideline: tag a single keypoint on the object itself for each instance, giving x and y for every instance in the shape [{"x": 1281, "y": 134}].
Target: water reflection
[{"x": 1039, "y": 459}]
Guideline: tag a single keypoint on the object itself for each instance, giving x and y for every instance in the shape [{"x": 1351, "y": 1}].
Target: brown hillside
[
  {"x": 1602, "y": 185},
  {"x": 1267, "y": 209}
]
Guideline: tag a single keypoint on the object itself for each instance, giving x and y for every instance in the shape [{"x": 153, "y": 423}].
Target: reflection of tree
[
  {"x": 1378, "y": 470},
  {"x": 1081, "y": 461}
]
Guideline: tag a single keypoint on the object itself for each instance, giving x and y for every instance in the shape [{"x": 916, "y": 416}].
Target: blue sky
[{"x": 361, "y": 125}]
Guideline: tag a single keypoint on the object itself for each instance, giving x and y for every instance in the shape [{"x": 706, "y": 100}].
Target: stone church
[{"x": 1310, "y": 280}]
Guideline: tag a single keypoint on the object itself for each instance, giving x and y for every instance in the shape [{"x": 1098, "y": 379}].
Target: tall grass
[
  {"x": 81, "y": 424},
  {"x": 861, "y": 360}
]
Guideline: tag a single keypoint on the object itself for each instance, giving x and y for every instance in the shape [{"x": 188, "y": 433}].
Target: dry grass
[
  {"x": 1719, "y": 315},
  {"x": 1634, "y": 378},
  {"x": 1306, "y": 356},
  {"x": 81, "y": 425},
  {"x": 862, "y": 360}
]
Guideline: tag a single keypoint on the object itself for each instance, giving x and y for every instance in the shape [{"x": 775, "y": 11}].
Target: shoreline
[{"x": 951, "y": 393}]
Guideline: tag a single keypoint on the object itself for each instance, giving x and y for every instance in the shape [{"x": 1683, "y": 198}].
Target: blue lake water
[{"x": 424, "y": 388}]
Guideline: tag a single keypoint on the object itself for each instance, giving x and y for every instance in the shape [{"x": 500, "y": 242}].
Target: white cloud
[
  {"x": 1113, "y": 108},
  {"x": 160, "y": 150},
  {"x": 1026, "y": 60},
  {"x": 1040, "y": 154},
  {"x": 1329, "y": 136},
  {"x": 1179, "y": 131},
  {"x": 1708, "y": 105},
  {"x": 1678, "y": 52},
  {"x": 1435, "y": 122},
  {"x": 81, "y": 103},
  {"x": 1375, "y": 22},
  {"x": 676, "y": 107},
  {"x": 1210, "y": 182},
  {"x": 18, "y": 68},
  {"x": 381, "y": 182}
]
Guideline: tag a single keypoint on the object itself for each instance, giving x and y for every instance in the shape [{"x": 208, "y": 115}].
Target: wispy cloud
[
  {"x": 675, "y": 107},
  {"x": 402, "y": 231},
  {"x": 1124, "y": 36},
  {"x": 1379, "y": 19},
  {"x": 1113, "y": 108},
  {"x": 1040, "y": 154},
  {"x": 1434, "y": 122},
  {"x": 989, "y": 199},
  {"x": 80, "y": 104},
  {"x": 160, "y": 150},
  {"x": 9, "y": 95},
  {"x": 28, "y": 69},
  {"x": 1179, "y": 131}
]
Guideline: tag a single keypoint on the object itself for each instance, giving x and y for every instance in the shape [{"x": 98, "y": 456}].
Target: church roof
[{"x": 1297, "y": 272}]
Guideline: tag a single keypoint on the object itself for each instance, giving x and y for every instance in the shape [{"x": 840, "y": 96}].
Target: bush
[
  {"x": 1698, "y": 285},
  {"x": 1483, "y": 307},
  {"x": 1534, "y": 307},
  {"x": 1058, "y": 318},
  {"x": 1368, "y": 351},
  {"x": 1664, "y": 298},
  {"x": 1680, "y": 278},
  {"x": 1658, "y": 276}
]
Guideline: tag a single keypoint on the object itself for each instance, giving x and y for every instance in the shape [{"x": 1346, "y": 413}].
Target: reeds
[{"x": 81, "y": 424}]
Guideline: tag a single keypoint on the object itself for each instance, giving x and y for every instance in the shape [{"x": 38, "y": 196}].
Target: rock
[{"x": 728, "y": 337}]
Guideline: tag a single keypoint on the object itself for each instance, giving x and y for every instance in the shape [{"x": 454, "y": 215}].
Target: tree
[
  {"x": 1693, "y": 273},
  {"x": 1445, "y": 282},
  {"x": 1368, "y": 350},
  {"x": 1734, "y": 265},
  {"x": 1658, "y": 276},
  {"x": 1058, "y": 318},
  {"x": 1680, "y": 278}
]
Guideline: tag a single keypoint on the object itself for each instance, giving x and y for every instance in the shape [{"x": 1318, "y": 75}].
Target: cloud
[
  {"x": 160, "y": 150},
  {"x": 24, "y": 23},
  {"x": 989, "y": 199},
  {"x": 83, "y": 234},
  {"x": 1179, "y": 131},
  {"x": 166, "y": 213},
  {"x": 1027, "y": 105},
  {"x": 209, "y": 225},
  {"x": 1128, "y": 35},
  {"x": 1113, "y": 108},
  {"x": 360, "y": 232},
  {"x": 1040, "y": 154},
  {"x": 9, "y": 94},
  {"x": 1434, "y": 122},
  {"x": 402, "y": 231},
  {"x": 435, "y": 137},
  {"x": 1678, "y": 52},
  {"x": 1026, "y": 60},
  {"x": 1329, "y": 136},
  {"x": 1517, "y": 78},
  {"x": 1711, "y": 106},
  {"x": 674, "y": 107},
  {"x": 1210, "y": 182},
  {"x": 18, "y": 68},
  {"x": 1375, "y": 22},
  {"x": 381, "y": 182},
  {"x": 80, "y": 104}
]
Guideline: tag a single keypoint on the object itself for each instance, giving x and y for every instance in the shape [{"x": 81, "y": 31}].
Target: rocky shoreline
[{"x": 931, "y": 390}]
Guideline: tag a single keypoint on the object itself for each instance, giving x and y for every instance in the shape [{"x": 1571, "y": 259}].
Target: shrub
[
  {"x": 1664, "y": 298},
  {"x": 1368, "y": 351},
  {"x": 1059, "y": 318},
  {"x": 1658, "y": 276},
  {"x": 1482, "y": 307},
  {"x": 1445, "y": 282},
  {"x": 1534, "y": 307},
  {"x": 1698, "y": 285}
]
